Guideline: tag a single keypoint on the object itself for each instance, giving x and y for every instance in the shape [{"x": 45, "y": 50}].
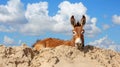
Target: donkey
[{"x": 76, "y": 41}]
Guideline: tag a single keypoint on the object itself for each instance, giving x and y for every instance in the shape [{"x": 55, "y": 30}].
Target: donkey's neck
[{"x": 70, "y": 42}]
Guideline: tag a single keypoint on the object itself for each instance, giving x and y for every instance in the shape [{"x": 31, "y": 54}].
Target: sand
[{"x": 61, "y": 56}]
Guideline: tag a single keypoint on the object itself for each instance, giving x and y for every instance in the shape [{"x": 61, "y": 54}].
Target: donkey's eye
[
  {"x": 74, "y": 32},
  {"x": 82, "y": 31}
]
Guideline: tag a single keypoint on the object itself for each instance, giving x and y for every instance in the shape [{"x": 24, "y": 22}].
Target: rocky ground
[{"x": 61, "y": 56}]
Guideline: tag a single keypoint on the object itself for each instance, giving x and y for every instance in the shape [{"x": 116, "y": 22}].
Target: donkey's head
[{"x": 78, "y": 31}]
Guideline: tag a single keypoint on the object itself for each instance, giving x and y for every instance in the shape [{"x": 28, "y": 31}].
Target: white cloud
[
  {"x": 106, "y": 26},
  {"x": 4, "y": 28},
  {"x": 106, "y": 43},
  {"x": 8, "y": 40},
  {"x": 39, "y": 21},
  {"x": 20, "y": 42},
  {"x": 91, "y": 28},
  {"x": 12, "y": 12},
  {"x": 62, "y": 18},
  {"x": 94, "y": 20},
  {"x": 116, "y": 19}
]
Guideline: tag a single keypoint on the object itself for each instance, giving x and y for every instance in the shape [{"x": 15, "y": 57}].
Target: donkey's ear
[
  {"x": 73, "y": 22},
  {"x": 83, "y": 20}
]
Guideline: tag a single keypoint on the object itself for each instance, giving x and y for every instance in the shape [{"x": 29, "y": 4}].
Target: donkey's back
[{"x": 50, "y": 42}]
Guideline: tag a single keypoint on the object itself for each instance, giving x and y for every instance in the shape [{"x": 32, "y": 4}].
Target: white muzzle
[{"x": 78, "y": 41}]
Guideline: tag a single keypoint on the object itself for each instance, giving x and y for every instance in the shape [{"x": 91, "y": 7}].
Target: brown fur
[{"x": 53, "y": 42}]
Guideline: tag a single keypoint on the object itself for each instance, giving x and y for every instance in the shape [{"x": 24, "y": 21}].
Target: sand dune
[{"x": 61, "y": 56}]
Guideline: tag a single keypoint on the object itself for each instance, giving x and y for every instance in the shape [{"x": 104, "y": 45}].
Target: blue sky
[{"x": 25, "y": 21}]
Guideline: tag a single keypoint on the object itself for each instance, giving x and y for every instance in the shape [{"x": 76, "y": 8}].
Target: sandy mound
[
  {"x": 61, "y": 56},
  {"x": 15, "y": 56}
]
